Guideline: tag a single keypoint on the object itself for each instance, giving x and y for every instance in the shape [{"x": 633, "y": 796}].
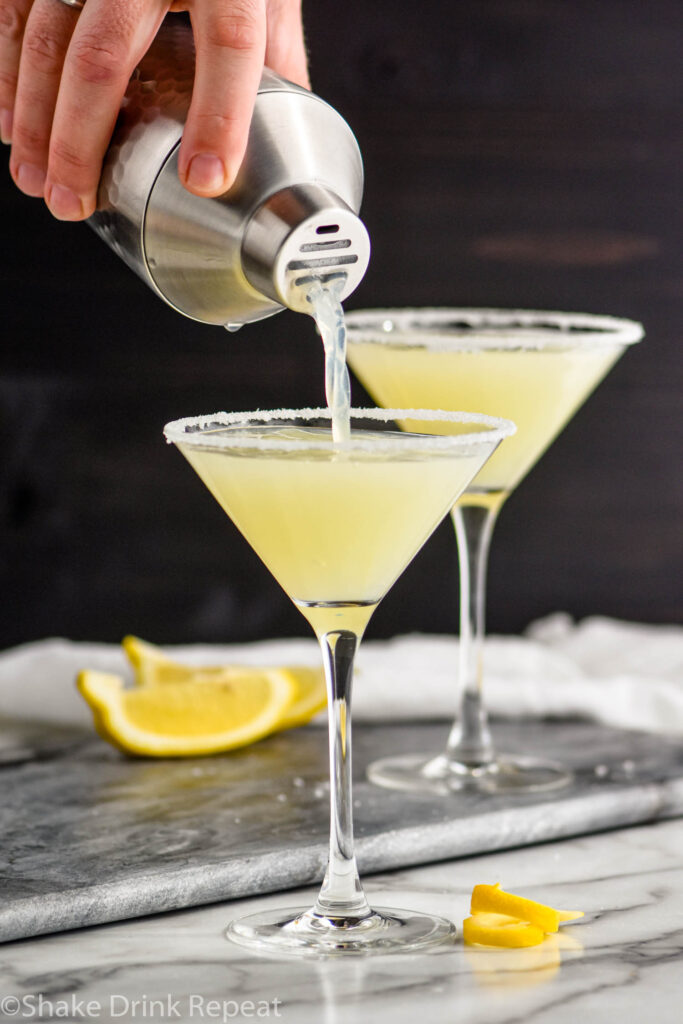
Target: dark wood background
[{"x": 518, "y": 153}]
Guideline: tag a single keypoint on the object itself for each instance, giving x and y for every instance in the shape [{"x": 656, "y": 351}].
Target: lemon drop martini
[
  {"x": 336, "y": 522},
  {"x": 534, "y": 368}
]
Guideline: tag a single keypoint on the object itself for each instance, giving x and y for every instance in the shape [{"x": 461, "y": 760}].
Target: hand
[{"x": 63, "y": 74}]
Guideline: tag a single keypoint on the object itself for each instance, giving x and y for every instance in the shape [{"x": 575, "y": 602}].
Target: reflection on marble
[
  {"x": 91, "y": 836},
  {"x": 621, "y": 963}
]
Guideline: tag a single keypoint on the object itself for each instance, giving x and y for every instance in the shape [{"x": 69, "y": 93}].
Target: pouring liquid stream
[{"x": 326, "y": 310}]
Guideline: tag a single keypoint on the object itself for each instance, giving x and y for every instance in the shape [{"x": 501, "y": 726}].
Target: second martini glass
[
  {"x": 536, "y": 368},
  {"x": 336, "y": 523}
]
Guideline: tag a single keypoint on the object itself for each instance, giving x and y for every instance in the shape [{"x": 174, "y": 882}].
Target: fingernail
[
  {"x": 31, "y": 179},
  {"x": 6, "y": 126},
  {"x": 206, "y": 172},
  {"x": 63, "y": 203}
]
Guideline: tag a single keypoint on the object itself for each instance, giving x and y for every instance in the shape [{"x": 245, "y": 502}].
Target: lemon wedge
[
  {"x": 310, "y": 696},
  {"x": 500, "y": 930},
  {"x": 189, "y": 717},
  {"x": 493, "y": 899},
  {"x": 153, "y": 667}
]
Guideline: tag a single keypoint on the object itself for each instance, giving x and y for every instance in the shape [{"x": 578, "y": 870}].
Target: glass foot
[
  {"x": 302, "y": 932},
  {"x": 421, "y": 773}
]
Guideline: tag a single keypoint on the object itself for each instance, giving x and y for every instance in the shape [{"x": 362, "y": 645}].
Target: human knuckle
[
  {"x": 8, "y": 82},
  {"x": 64, "y": 155},
  {"x": 98, "y": 60},
  {"x": 216, "y": 122},
  {"x": 41, "y": 46},
  {"x": 28, "y": 137},
  {"x": 11, "y": 22},
  {"x": 236, "y": 29}
]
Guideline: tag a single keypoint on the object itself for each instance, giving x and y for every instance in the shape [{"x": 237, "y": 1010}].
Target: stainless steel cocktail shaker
[{"x": 291, "y": 214}]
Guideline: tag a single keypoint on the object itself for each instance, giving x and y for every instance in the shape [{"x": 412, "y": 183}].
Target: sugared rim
[
  {"x": 197, "y": 430},
  {"x": 448, "y": 328}
]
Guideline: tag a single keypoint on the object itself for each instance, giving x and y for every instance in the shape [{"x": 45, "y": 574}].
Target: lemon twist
[
  {"x": 500, "y": 918},
  {"x": 493, "y": 899},
  {"x": 500, "y": 930}
]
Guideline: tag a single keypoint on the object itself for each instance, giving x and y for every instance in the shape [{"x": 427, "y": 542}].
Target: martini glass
[
  {"x": 336, "y": 523},
  {"x": 535, "y": 369}
]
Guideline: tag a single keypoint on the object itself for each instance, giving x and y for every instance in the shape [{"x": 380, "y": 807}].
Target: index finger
[{"x": 109, "y": 40}]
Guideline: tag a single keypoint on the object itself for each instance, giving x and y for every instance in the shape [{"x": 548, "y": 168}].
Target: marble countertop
[
  {"x": 622, "y": 963},
  {"x": 89, "y": 837}
]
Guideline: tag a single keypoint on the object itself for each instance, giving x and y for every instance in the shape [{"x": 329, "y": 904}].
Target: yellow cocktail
[
  {"x": 533, "y": 368},
  {"x": 336, "y": 522}
]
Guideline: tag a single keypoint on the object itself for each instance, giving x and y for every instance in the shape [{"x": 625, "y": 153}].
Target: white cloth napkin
[{"x": 619, "y": 673}]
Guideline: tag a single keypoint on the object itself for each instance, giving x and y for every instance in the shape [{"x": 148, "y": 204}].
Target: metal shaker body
[{"x": 291, "y": 213}]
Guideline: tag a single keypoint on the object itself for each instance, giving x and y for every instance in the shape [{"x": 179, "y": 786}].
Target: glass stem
[
  {"x": 341, "y": 894},
  {"x": 470, "y": 742}
]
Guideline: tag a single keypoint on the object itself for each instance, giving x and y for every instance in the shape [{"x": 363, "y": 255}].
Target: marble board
[{"x": 90, "y": 836}]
